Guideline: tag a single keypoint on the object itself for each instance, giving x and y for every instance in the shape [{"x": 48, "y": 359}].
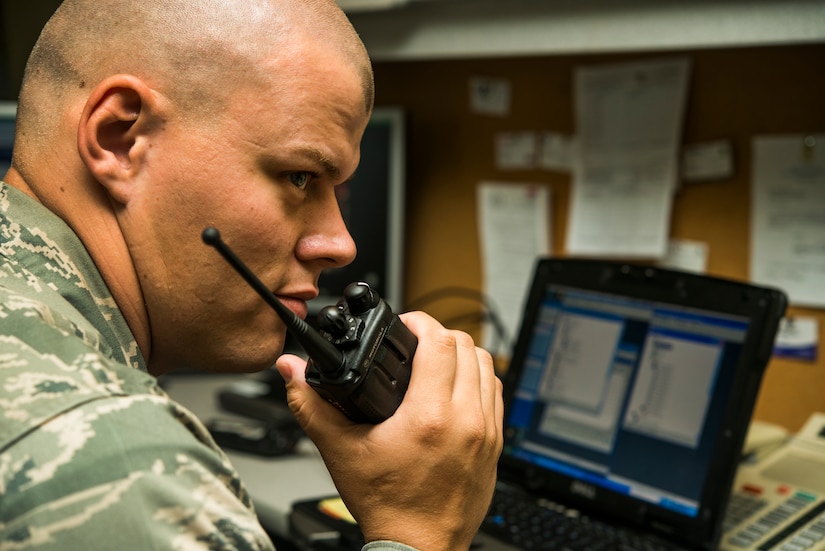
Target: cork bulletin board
[{"x": 734, "y": 95}]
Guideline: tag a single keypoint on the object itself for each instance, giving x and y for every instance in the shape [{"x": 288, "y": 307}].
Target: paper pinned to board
[
  {"x": 710, "y": 161},
  {"x": 686, "y": 255},
  {"x": 514, "y": 228},
  {"x": 490, "y": 96},
  {"x": 516, "y": 150},
  {"x": 629, "y": 123},
  {"x": 788, "y": 216},
  {"x": 797, "y": 338}
]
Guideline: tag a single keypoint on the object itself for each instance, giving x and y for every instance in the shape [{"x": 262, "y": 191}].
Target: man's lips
[{"x": 296, "y": 305}]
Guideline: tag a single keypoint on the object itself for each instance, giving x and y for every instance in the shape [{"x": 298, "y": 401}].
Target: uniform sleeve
[{"x": 123, "y": 473}]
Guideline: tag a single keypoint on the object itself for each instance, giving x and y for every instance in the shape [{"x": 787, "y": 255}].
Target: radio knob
[
  {"x": 332, "y": 320},
  {"x": 360, "y": 298}
]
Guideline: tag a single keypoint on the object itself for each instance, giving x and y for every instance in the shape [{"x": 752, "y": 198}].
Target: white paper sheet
[
  {"x": 702, "y": 162},
  {"x": 490, "y": 96},
  {"x": 516, "y": 150},
  {"x": 629, "y": 120},
  {"x": 514, "y": 228},
  {"x": 687, "y": 255},
  {"x": 788, "y": 216}
]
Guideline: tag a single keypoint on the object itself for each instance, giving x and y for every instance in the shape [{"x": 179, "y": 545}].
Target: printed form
[
  {"x": 788, "y": 216},
  {"x": 514, "y": 227},
  {"x": 629, "y": 124}
]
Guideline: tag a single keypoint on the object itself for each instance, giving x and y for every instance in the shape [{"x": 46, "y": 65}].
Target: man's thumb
[{"x": 317, "y": 417}]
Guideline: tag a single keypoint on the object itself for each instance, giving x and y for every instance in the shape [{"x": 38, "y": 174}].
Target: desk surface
[{"x": 274, "y": 483}]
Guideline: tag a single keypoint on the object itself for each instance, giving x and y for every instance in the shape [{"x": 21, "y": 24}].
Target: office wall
[{"x": 734, "y": 94}]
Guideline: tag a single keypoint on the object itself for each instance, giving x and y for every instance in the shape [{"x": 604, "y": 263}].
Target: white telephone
[{"x": 778, "y": 500}]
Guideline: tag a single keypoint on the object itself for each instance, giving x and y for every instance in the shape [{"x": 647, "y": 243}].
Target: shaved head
[{"x": 195, "y": 52}]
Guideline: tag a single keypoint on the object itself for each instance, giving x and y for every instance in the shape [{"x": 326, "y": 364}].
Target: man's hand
[{"x": 425, "y": 476}]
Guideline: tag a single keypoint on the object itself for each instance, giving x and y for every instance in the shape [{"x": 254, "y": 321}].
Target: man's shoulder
[
  {"x": 91, "y": 450},
  {"x": 96, "y": 439},
  {"x": 52, "y": 362}
]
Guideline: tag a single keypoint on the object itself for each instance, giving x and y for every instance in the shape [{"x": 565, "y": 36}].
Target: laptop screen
[{"x": 625, "y": 394}]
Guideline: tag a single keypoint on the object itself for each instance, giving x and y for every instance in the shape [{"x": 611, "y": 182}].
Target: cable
[{"x": 487, "y": 314}]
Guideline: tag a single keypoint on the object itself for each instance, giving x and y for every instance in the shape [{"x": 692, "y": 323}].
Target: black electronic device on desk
[
  {"x": 262, "y": 396},
  {"x": 360, "y": 361},
  {"x": 265, "y": 425},
  {"x": 267, "y": 438}
]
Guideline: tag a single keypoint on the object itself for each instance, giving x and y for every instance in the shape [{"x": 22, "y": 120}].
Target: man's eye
[{"x": 299, "y": 179}]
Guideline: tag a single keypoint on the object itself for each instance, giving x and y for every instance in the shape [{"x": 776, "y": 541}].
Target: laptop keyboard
[{"x": 536, "y": 524}]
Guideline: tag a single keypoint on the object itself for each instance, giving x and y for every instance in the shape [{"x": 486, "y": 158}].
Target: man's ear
[{"x": 114, "y": 132}]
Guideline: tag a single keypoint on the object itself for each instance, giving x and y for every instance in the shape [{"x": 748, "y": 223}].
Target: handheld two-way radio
[{"x": 360, "y": 360}]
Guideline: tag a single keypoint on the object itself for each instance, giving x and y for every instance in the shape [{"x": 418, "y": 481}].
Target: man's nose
[{"x": 329, "y": 240}]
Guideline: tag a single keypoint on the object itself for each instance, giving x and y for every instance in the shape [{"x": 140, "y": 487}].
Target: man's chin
[
  {"x": 250, "y": 363},
  {"x": 240, "y": 363}
]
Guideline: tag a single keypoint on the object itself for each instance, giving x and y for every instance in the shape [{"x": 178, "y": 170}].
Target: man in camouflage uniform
[{"x": 141, "y": 122}]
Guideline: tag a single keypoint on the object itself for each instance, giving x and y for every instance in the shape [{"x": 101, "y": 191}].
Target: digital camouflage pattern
[{"x": 93, "y": 454}]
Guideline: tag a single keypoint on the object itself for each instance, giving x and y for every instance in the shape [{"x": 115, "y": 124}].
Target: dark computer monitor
[
  {"x": 372, "y": 205},
  {"x": 8, "y": 112}
]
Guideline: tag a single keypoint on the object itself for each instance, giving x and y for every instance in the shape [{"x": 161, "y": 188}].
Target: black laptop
[{"x": 628, "y": 398}]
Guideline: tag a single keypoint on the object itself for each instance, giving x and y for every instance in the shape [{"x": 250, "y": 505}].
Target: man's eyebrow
[{"x": 323, "y": 159}]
